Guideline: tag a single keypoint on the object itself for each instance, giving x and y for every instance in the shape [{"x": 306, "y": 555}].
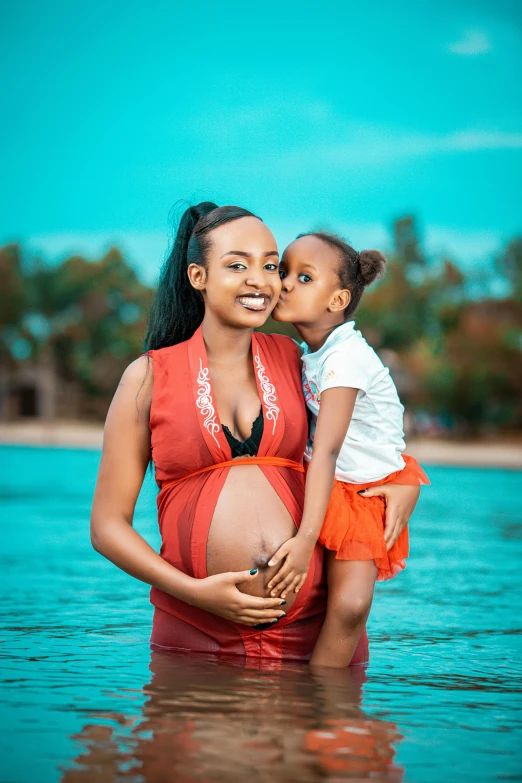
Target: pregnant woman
[{"x": 220, "y": 409}]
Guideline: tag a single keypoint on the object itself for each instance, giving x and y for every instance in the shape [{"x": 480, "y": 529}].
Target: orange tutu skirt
[{"x": 353, "y": 526}]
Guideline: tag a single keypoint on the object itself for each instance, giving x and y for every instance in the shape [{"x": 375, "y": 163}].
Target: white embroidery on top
[
  {"x": 204, "y": 402},
  {"x": 269, "y": 395}
]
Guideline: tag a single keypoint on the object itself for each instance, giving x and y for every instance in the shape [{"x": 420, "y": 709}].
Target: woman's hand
[
  {"x": 297, "y": 553},
  {"x": 219, "y": 595},
  {"x": 400, "y": 501}
]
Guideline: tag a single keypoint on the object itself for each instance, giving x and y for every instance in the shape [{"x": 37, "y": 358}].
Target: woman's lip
[{"x": 256, "y": 304}]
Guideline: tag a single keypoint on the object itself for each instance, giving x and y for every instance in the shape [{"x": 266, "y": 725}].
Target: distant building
[{"x": 34, "y": 390}]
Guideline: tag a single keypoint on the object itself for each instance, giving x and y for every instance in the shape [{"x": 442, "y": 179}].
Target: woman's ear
[
  {"x": 340, "y": 300},
  {"x": 197, "y": 276}
]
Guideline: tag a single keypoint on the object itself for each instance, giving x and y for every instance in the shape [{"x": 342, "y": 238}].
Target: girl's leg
[{"x": 350, "y": 595}]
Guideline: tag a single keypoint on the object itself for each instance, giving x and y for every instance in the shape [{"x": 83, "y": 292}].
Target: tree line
[{"x": 453, "y": 342}]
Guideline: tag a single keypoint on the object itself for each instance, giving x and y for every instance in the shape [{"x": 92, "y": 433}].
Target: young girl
[{"x": 356, "y": 440}]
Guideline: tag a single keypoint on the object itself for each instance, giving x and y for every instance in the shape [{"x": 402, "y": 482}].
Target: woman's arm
[
  {"x": 333, "y": 421},
  {"x": 125, "y": 456}
]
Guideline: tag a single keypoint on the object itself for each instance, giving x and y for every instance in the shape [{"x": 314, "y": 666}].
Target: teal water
[{"x": 83, "y": 698}]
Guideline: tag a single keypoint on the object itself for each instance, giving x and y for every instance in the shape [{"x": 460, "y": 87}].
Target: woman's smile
[{"x": 257, "y": 302}]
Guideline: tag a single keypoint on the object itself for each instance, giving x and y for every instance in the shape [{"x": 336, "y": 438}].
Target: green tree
[{"x": 90, "y": 317}]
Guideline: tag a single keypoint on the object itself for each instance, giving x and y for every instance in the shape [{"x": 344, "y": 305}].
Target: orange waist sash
[{"x": 278, "y": 462}]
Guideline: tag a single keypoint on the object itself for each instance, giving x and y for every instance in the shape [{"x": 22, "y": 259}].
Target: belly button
[{"x": 261, "y": 561}]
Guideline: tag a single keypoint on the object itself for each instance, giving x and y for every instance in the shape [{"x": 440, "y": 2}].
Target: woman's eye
[
  {"x": 237, "y": 265},
  {"x": 271, "y": 267},
  {"x": 304, "y": 278}
]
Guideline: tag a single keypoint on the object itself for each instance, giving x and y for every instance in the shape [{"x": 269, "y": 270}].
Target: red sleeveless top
[{"x": 187, "y": 437}]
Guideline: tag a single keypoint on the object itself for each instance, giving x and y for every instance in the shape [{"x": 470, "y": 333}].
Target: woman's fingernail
[
  {"x": 253, "y": 571},
  {"x": 265, "y": 626},
  {"x": 270, "y": 563},
  {"x": 361, "y": 492},
  {"x": 282, "y": 603}
]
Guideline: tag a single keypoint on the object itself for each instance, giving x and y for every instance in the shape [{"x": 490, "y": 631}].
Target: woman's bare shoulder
[
  {"x": 136, "y": 386},
  {"x": 126, "y": 441},
  {"x": 138, "y": 370}
]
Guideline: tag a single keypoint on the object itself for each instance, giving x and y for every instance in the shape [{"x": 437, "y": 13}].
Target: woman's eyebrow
[{"x": 245, "y": 254}]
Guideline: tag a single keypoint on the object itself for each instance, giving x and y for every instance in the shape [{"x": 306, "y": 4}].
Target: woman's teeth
[{"x": 253, "y": 302}]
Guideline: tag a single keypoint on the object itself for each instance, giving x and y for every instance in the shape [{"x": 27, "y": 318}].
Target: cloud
[
  {"x": 484, "y": 140},
  {"x": 472, "y": 43},
  {"x": 298, "y": 136},
  {"x": 382, "y": 147},
  {"x": 355, "y": 146},
  {"x": 372, "y": 148}
]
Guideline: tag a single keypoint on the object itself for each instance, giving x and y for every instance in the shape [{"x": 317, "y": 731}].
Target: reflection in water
[
  {"x": 204, "y": 720},
  {"x": 445, "y": 640}
]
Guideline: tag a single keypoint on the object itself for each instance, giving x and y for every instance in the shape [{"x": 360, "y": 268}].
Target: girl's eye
[
  {"x": 304, "y": 278},
  {"x": 282, "y": 273},
  {"x": 271, "y": 267}
]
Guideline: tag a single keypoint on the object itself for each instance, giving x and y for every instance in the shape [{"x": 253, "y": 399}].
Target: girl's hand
[
  {"x": 297, "y": 553},
  {"x": 400, "y": 501},
  {"x": 219, "y": 595}
]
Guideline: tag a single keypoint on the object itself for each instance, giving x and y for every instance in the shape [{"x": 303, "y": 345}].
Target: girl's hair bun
[{"x": 371, "y": 265}]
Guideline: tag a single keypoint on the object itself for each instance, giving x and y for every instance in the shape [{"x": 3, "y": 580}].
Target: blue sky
[{"x": 337, "y": 114}]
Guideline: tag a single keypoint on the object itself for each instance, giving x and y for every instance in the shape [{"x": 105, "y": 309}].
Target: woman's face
[{"x": 241, "y": 283}]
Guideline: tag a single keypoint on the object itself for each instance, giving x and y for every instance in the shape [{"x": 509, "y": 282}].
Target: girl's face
[
  {"x": 241, "y": 283},
  {"x": 310, "y": 283}
]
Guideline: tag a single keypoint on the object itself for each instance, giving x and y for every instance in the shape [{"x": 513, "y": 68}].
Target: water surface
[{"x": 83, "y": 698}]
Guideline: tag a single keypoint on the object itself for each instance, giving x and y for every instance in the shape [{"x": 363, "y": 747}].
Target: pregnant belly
[{"x": 250, "y": 523}]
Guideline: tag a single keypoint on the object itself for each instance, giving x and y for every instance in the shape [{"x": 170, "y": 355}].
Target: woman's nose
[{"x": 256, "y": 278}]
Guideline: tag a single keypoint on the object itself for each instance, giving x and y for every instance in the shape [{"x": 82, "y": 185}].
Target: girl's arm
[
  {"x": 333, "y": 421},
  {"x": 125, "y": 456}
]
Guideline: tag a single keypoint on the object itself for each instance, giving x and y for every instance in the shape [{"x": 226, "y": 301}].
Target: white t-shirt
[{"x": 374, "y": 443}]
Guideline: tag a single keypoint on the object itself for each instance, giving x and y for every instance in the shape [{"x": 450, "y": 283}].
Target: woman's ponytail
[{"x": 177, "y": 308}]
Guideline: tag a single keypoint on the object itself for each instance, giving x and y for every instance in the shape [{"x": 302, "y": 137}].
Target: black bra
[{"x": 250, "y": 446}]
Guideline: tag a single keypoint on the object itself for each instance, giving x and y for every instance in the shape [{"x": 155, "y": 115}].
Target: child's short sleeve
[{"x": 339, "y": 369}]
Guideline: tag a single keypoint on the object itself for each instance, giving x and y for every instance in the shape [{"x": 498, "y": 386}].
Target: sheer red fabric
[{"x": 187, "y": 437}]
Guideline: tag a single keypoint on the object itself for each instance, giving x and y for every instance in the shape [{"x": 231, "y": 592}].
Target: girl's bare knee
[{"x": 350, "y": 610}]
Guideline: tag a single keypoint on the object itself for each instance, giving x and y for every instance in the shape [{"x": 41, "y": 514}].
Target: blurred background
[
  {"x": 397, "y": 125},
  {"x": 400, "y": 129}
]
